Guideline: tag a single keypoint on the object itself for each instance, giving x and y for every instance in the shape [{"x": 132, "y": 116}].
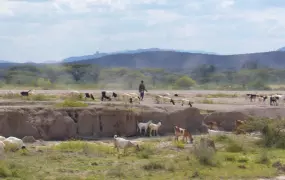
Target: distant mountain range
[
  {"x": 172, "y": 59},
  {"x": 99, "y": 55}
]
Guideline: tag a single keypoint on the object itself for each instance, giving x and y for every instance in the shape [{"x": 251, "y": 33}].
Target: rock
[
  {"x": 16, "y": 123},
  {"x": 28, "y": 139}
]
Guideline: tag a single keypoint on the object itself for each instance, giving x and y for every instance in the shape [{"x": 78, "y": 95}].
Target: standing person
[{"x": 142, "y": 89}]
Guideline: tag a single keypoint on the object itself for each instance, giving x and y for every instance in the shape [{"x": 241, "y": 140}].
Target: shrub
[
  {"x": 204, "y": 154},
  {"x": 271, "y": 129},
  {"x": 153, "y": 166}
]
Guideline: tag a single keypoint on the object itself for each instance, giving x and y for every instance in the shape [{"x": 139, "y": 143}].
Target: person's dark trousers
[{"x": 142, "y": 95}]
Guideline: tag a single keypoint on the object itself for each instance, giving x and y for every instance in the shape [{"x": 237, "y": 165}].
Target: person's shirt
[{"x": 141, "y": 87}]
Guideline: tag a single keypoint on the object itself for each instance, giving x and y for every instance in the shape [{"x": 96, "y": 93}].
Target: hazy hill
[
  {"x": 281, "y": 49},
  {"x": 98, "y": 54},
  {"x": 185, "y": 60}
]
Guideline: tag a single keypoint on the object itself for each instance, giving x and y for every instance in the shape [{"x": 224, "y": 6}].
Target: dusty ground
[{"x": 204, "y": 100}]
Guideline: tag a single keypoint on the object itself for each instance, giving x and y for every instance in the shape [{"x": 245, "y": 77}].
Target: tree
[
  {"x": 185, "y": 82},
  {"x": 44, "y": 83}
]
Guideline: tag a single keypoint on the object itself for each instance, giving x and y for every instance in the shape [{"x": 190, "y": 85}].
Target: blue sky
[{"x": 40, "y": 30}]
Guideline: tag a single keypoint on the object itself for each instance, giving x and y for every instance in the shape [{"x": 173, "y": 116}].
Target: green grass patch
[
  {"x": 71, "y": 103},
  {"x": 91, "y": 160},
  {"x": 207, "y": 101}
]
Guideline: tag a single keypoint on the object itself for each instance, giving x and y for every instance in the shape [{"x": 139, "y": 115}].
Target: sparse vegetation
[
  {"x": 207, "y": 101},
  {"x": 89, "y": 160},
  {"x": 70, "y": 103}
]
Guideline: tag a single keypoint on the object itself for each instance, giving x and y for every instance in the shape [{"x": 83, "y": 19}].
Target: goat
[
  {"x": 164, "y": 99},
  {"x": 238, "y": 123},
  {"x": 262, "y": 98},
  {"x": 14, "y": 143},
  {"x": 212, "y": 125},
  {"x": 123, "y": 143},
  {"x": 129, "y": 98},
  {"x": 26, "y": 93},
  {"x": 89, "y": 95},
  {"x": 274, "y": 100},
  {"x": 2, "y": 150},
  {"x": 251, "y": 96},
  {"x": 144, "y": 126},
  {"x": 108, "y": 95},
  {"x": 182, "y": 132},
  {"x": 154, "y": 127},
  {"x": 186, "y": 101},
  {"x": 135, "y": 95}
]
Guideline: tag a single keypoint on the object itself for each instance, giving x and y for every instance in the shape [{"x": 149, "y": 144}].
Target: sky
[{"x": 48, "y": 30}]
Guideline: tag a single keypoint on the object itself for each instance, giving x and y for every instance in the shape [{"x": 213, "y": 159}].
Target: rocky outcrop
[{"x": 62, "y": 124}]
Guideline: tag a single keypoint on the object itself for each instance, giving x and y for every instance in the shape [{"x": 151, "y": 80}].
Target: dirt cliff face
[{"x": 62, "y": 124}]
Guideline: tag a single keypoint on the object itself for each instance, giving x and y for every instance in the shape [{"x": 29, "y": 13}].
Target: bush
[
  {"x": 271, "y": 129},
  {"x": 153, "y": 166},
  {"x": 204, "y": 154},
  {"x": 234, "y": 146},
  {"x": 70, "y": 103}
]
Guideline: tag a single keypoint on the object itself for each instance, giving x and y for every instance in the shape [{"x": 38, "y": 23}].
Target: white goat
[
  {"x": 2, "y": 150},
  {"x": 144, "y": 126},
  {"x": 123, "y": 143},
  {"x": 163, "y": 99},
  {"x": 129, "y": 98},
  {"x": 14, "y": 143},
  {"x": 2, "y": 138},
  {"x": 108, "y": 95},
  {"x": 154, "y": 127},
  {"x": 186, "y": 101}
]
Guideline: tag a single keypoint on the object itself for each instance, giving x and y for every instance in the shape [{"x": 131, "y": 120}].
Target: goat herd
[
  {"x": 273, "y": 99},
  {"x": 125, "y": 97},
  {"x": 212, "y": 126}
]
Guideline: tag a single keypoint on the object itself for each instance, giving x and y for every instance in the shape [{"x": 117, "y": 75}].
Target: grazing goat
[
  {"x": 129, "y": 98},
  {"x": 274, "y": 100},
  {"x": 164, "y": 99},
  {"x": 212, "y": 125},
  {"x": 123, "y": 143},
  {"x": 108, "y": 95},
  {"x": 154, "y": 127},
  {"x": 144, "y": 126},
  {"x": 251, "y": 96},
  {"x": 2, "y": 149},
  {"x": 182, "y": 132},
  {"x": 135, "y": 95},
  {"x": 14, "y": 143},
  {"x": 2, "y": 138},
  {"x": 262, "y": 98},
  {"x": 89, "y": 95},
  {"x": 26, "y": 93},
  {"x": 186, "y": 101},
  {"x": 238, "y": 123}
]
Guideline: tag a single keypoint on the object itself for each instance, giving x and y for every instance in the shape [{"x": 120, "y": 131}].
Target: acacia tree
[{"x": 185, "y": 82}]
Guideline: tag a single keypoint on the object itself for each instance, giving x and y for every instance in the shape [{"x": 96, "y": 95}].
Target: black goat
[
  {"x": 25, "y": 93},
  {"x": 89, "y": 95}
]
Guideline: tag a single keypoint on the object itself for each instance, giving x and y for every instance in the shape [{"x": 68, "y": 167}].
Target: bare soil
[{"x": 200, "y": 99}]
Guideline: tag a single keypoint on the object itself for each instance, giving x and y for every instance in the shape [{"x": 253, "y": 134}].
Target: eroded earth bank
[{"x": 106, "y": 120}]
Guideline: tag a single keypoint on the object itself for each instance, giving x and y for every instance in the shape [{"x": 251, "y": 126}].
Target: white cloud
[{"x": 55, "y": 29}]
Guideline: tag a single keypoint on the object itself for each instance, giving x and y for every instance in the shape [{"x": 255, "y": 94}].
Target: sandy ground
[{"x": 198, "y": 97}]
